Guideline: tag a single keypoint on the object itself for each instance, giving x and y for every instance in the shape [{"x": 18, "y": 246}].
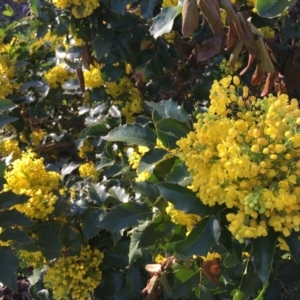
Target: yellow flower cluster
[
  {"x": 211, "y": 256},
  {"x": 28, "y": 176},
  {"x": 180, "y": 217},
  {"x": 75, "y": 277},
  {"x": 85, "y": 148},
  {"x": 246, "y": 155},
  {"x": 92, "y": 77},
  {"x": 56, "y": 76},
  {"x": 8, "y": 147},
  {"x": 268, "y": 32},
  {"x": 37, "y": 136},
  {"x": 3, "y": 244},
  {"x": 170, "y": 37},
  {"x": 80, "y": 8},
  {"x": 7, "y": 75},
  {"x": 89, "y": 170},
  {"x": 226, "y": 69},
  {"x": 31, "y": 259},
  {"x": 169, "y": 3}
]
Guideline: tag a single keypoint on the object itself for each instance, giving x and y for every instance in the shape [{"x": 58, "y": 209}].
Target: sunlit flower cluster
[
  {"x": 80, "y": 8},
  {"x": 226, "y": 69},
  {"x": 245, "y": 154},
  {"x": 169, "y": 3},
  {"x": 3, "y": 244},
  {"x": 75, "y": 277},
  {"x": 268, "y": 32},
  {"x": 8, "y": 147},
  {"x": 92, "y": 77},
  {"x": 85, "y": 148},
  {"x": 7, "y": 75},
  {"x": 28, "y": 176},
  {"x": 31, "y": 259},
  {"x": 211, "y": 256},
  {"x": 89, "y": 170},
  {"x": 56, "y": 76},
  {"x": 180, "y": 217}
]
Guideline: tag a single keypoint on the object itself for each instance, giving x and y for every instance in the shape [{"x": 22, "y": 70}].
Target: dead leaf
[
  {"x": 153, "y": 268},
  {"x": 211, "y": 12},
  {"x": 209, "y": 49},
  {"x": 251, "y": 59},
  {"x": 80, "y": 78},
  {"x": 231, "y": 36},
  {"x": 211, "y": 269},
  {"x": 258, "y": 75},
  {"x": 269, "y": 84},
  {"x": 87, "y": 58},
  {"x": 190, "y": 17},
  {"x": 235, "y": 53}
]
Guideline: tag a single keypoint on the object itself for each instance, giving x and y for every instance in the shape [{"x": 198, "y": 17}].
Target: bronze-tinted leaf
[
  {"x": 231, "y": 36},
  {"x": 190, "y": 17},
  {"x": 258, "y": 75},
  {"x": 211, "y": 11},
  {"x": 269, "y": 84},
  {"x": 211, "y": 269},
  {"x": 87, "y": 58},
  {"x": 209, "y": 49},
  {"x": 251, "y": 59},
  {"x": 80, "y": 78}
]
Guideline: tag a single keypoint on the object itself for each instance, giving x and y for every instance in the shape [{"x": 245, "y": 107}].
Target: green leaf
[
  {"x": 294, "y": 244},
  {"x": 133, "y": 134},
  {"x": 74, "y": 52},
  {"x": 102, "y": 42},
  {"x": 199, "y": 241},
  {"x": 203, "y": 293},
  {"x": 180, "y": 175},
  {"x": 35, "y": 277},
  {"x": 68, "y": 169},
  {"x": 163, "y": 22},
  {"x": 184, "y": 199},
  {"x": 262, "y": 254},
  {"x": 9, "y": 199},
  {"x": 35, "y": 6},
  {"x": 4, "y": 120},
  {"x": 6, "y": 104},
  {"x": 150, "y": 158},
  {"x": 8, "y": 12},
  {"x": 133, "y": 282},
  {"x": 287, "y": 271},
  {"x": 48, "y": 239},
  {"x": 135, "y": 251},
  {"x": 118, "y": 6},
  {"x": 98, "y": 194},
  {"x": 147, "y": 189},
  {"x": 15, "y": 234},
  {"x": 251, "y": 282},
  {"x": 272, "y": 8},
  {"x": 97, "y": 130},
  {"x": 9, "y": 265},
  {"x": 90, "y": 225},
  {"x": 147, "y": 7},
  {"x": 71, "y": 239},
  {"x": 167, "y": 109},
  {"x": 126, "y": 215},
  {"x": 119, "y": 193},
  {"x": 127, "y": 48},
  {"x": 13, "y": 218}
]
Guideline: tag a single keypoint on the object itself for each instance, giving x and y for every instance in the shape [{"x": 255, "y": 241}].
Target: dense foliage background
[{"x": 150, "y": 150}]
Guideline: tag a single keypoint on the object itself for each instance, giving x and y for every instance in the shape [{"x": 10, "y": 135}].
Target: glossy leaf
[
  {"x": 9, "y": 265},
  {"x": 199, "y": 241},
  {"x": 4, "y": 120},
  {"x": 90, "y": 225},
  {"x": 133, "y": 134},
  {"x": 149, "y": 159},
  {"x": 15, "y": 234},
  {"x": 147, "y": 189},
  {"x": 102, "y": 42},
  {"x": 9, "y": 199},
  {"x": 6, "y": 104},
  {"x": 125, "y": 215},
  {"x": 13, "y": 217},
  {"x": 71, "y": 239},
  {"x": 147, "y": 7},
  {"x": 272, "y": 8},
  {"x": 251, "y": 282},
  {"x": 294, "y": 245}
]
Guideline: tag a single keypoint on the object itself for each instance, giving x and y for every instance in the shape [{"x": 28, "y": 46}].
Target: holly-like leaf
[
  {"x": 126, "y": 215},
  {"x": 147, "y": 7},
  {"x": 48, "y": 239},
  {"x": 68, "y": 169},
  {"x": 150, "y": 158},
  {"x": 71, "y": 239},
  {"x": 6, "y": 104},
  {"x": 163, "y": 22},
  {"x": 184, "y": 199},
  {"x": 250, "y": 283},
  {"x": 127, "y": 48},
  {"x": 262, "y": 254},
  {"x": 146, "y": 189},
  {"x": 90, "y": 225},
  {"x": 118, "y": 6},
  {"x": 12, "y": 218},
  {"x": 134, "y": 250},
  {"x": 133, "y": 134},
  {"x": 133, "y": 282},
  {"x": 273, "y": 8},
  {"x": 98, "y": 194},
  {"x": 102, "y": 41},
  {"x": 199, "y": 241},
  {"x": 294, "y": 245},
  {"x": 4, "y": 120},
  {"x": 9, "y": 199},
  {"x": 9, "y": 265},
  {"x": 119, "y": 194},
  {"x": 15, "y": 234}
]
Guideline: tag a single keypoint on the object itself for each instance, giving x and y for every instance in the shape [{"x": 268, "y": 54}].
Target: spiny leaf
[{"x": 273, "y": 8}]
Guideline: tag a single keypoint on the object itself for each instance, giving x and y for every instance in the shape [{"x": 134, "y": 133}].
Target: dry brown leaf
[
  {"x": 211, "y": 269},
  {"x": 153, "y": 268},
  {"x": 209, "y": 49},
  {"x": 231, "y": 36},
  {"x": 269, "y": 84},
  {"x": 80, "y": 78},
  {"x": 235, "y": 53},
  {"x": 190, "y": 17},
  {"x": 87, "y": 58},
  {"x": 258, "y": 75},
  {"x": 211, "y": 11},
  {"x": 251, "y": 59},
  {"x": 264, "y": 56}
]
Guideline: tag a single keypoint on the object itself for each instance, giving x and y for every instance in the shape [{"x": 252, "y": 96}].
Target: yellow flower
[
  {"x": 56, "y": 76},
  {"x": 89, "y": 170}
]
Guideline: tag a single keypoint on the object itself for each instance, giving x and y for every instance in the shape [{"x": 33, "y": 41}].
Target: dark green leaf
[
  {"x": 127, "y": 48},
  {"x": 250, "y": 283},
  {"x": 48, "y": 239},
  {"x": 102, "y": 42},
  {"x": 163, "y": 22},
  {"x": 4, "y": 120},
  {"x": 6, "y": 104},
  {"x": 183, "y": 199},
  {"x": 35, "y": 6},
  {"x": 13, "y": 218},
  {"x": 168, "y": 109},
  {"x": 203, "y": 293},
  {"x": 234, "y": 256},
  {"x": 97, "y": 130},
  {"x": 15, "y": 234},
  {"x": 180, "y": 175},
  {"x": 9, "y": 265},
  {"x": 71, "y": 239},
  {"x": 119, "y": 194},
  {"x": 133, "y": 134},
  {"x": 287, "y": 271},
  {"x": 272, "y": 8},
  {"x": 262, "y": 254},
  {"x": 133, "y": 282},
  {"x": 294, "y": 245},
  {"x": 147, "y": 7},
  {"x": 118, "y": 6},
  {"x": 146, "y": 189},
  {"x": 68, "y": 169},
  {"x": 9, "y": 199},
  {"x": 150, "y": 158},
  {"x": 134, "y": 250},
  {"x": 98, "y": 194},
  {"x": 90, "y": 226},
  {"x": 163, "y": 168},
  {"x": 74, "y": 52},
  {"x": 126, "y": 215},
  {"x": 199, "y": 241}
]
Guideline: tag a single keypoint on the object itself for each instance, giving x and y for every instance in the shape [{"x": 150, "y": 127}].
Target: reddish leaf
[
  {"x": 231, "y": 36},
  {"x": 209, "y": 49},
  {"x": 251, "y": 59},
  {"x": 190, "y": 17},
  {"x": 211, "y": 269},
  {"x": 269, "y": 84},
  {"x": 258, "y": 75}
]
